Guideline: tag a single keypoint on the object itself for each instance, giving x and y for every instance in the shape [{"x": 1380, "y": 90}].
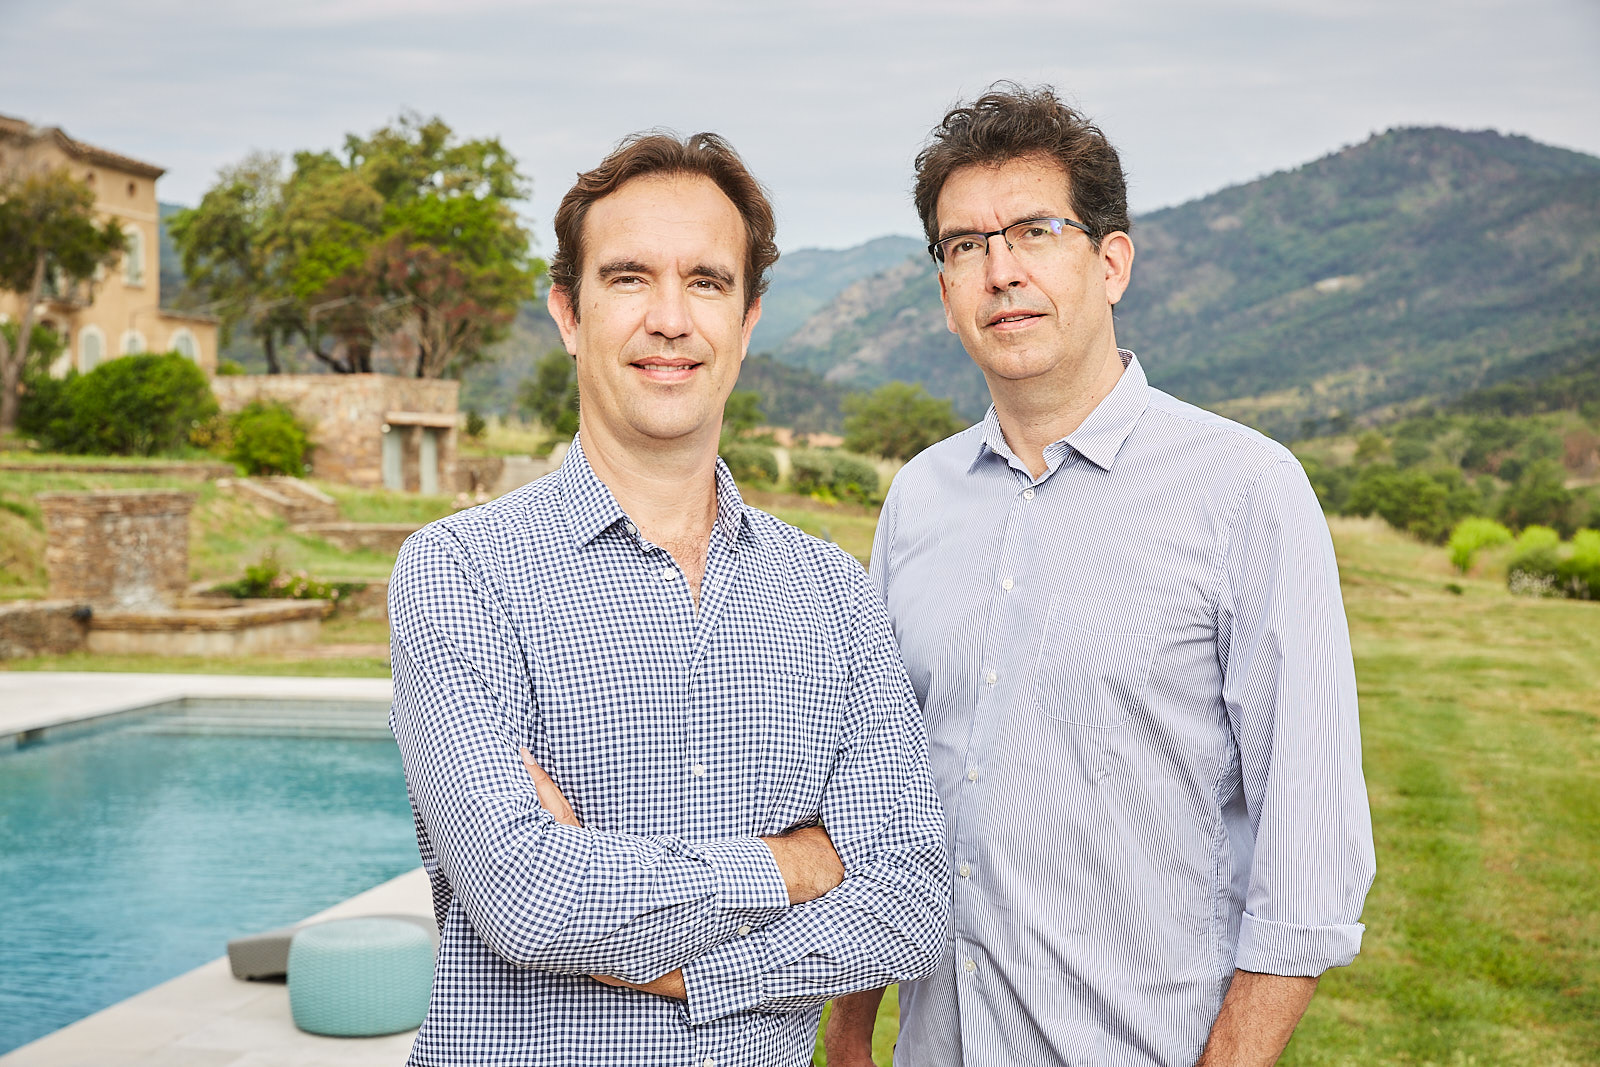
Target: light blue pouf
[{"x": 360, "y": 977}]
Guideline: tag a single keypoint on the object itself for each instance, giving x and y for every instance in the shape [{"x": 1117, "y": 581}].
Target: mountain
[
  {"x": 1403, "y": 270},
  {"x": 802, "y": 282}
]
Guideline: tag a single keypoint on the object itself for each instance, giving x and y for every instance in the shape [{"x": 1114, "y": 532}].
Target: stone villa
[{"x": 119, "y": 313}]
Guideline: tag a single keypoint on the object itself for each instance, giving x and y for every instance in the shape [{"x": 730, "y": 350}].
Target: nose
[
  {"x": 1001, "y": 267},
  {"x": 668, "y": 314}
]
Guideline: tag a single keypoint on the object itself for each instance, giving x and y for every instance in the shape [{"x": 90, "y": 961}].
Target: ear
[
  {"x": 1116, "y": 254},
  {"x": 751, "y": 317},
  {"x": 559, "y": 301},
  {"x": 944, "y": 298}
]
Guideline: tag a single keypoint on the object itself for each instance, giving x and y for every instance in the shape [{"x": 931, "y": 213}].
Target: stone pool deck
[{"x": 205, "y": 1018}]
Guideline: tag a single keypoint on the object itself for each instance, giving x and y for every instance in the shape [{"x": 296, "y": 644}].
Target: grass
[{"x": 1481, "y": 732}]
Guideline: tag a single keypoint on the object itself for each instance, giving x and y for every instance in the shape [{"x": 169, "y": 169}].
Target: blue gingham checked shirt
[
  {"x": 1141, "y": 710},
  {"x": 545, "y": 620}
]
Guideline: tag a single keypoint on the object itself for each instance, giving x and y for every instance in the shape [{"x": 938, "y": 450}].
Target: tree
[
  {"x": 405, "y": 242},
  {"x": 741, "y": 414},
  {"x": 551, "y": 394},
  {"x": 47, "y": 232},
  {"x": 897, "y": 420},
  {"x": 226, "y": 256}
]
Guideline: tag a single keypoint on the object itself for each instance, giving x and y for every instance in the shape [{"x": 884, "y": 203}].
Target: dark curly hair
[{"x": 1013, "y": 122}]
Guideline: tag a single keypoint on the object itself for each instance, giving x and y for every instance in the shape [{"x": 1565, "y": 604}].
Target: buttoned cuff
[
  {"x": 747, "y": 876},
  {"x": 1269, "y": 947},
  {"x": 727, "y": 979}
]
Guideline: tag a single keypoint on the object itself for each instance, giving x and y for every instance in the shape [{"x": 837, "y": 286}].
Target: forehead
[
  {"x": 664, "y": 216},
  {"x": 982, "y": 196}
]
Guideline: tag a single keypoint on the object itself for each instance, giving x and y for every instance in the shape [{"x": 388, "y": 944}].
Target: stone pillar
[{"x": 125, "y": 549}]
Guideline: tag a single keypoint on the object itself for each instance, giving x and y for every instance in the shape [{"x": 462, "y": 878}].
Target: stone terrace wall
[
  {"x": 345, "y": 414},
  {"x": 118, "y": 548},
  {"x": 42, "y": 628}
]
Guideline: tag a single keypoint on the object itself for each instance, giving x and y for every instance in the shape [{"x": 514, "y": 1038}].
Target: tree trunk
[
  {"x": 11, "y": 371},
  {"x": 269, "y": 344}
]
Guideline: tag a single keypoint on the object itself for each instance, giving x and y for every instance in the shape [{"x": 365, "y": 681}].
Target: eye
[
  {"x": 962, "y": 246},
  {"x": 706, "y": 284}
]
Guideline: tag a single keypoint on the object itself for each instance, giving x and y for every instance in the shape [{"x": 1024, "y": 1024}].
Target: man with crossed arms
[
  {"x": 702, "y": 682},
  {"x": 1121, "y": 615}
]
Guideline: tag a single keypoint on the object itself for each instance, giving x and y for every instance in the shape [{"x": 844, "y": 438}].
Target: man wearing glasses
[
  {"x": 1121, "y": 615},
  {"x": 703, "y": 683}
]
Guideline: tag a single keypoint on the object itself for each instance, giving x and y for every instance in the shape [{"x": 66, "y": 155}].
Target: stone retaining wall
[
  {"x": 118, "y": 548},
  {"x": 42, "y": 628}
]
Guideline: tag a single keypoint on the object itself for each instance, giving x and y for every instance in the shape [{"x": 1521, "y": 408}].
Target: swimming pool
[{"x": 132, "y": 850}]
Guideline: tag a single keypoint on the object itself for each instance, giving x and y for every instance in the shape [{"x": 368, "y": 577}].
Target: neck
[
  {"x": 1036, "y": 412},
  {"x": 668, "y": 490}
]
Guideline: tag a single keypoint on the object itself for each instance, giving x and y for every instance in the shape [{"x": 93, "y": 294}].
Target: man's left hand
[{"x": 552, "y": 800}]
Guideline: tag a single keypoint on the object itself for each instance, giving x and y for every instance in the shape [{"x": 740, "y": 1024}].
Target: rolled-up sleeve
[
  {"x": 540, "y": 894},
  {"x": 885, "y": 923},
  {"x": 1290, "y": 692}
]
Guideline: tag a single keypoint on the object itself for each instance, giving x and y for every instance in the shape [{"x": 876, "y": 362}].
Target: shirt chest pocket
[{"x": 1094, "y": 662}]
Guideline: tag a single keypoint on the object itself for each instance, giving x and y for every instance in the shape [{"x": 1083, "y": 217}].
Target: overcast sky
[{"x": 828, "y": 101}]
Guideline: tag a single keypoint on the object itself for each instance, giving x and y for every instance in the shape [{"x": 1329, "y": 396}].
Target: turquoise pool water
[{"x": 131, "y": 854}]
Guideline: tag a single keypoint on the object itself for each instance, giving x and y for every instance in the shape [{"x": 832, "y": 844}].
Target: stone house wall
[
  {"x": 123, "y": 549},
  {"x": 347, "y": 415}
]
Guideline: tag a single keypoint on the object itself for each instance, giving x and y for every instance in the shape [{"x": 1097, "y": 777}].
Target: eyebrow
[
  {"x": 956, "y": 231},
  {"x": 633, "y": 266}
]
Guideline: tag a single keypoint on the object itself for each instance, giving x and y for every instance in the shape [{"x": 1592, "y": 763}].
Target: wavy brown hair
[
  {"x": 1013, "y": 122},
  {"x": 656, "y": 153}
]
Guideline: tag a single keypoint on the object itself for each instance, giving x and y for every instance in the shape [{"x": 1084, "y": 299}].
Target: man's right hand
[{"x": 807, "y": 861}]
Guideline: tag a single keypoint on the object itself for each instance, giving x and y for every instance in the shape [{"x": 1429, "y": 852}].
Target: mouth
[
  {"x": 667, "y": 369},
  {"x": 1012, "y": 320}
]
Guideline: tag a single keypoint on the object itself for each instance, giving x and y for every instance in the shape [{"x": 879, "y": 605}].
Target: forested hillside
[{"x": 1412, "y": 267}]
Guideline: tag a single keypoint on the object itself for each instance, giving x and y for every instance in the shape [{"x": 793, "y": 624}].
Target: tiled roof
[{"x": 21, "y": 129}]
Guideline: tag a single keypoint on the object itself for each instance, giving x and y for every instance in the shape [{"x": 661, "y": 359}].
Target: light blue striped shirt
[{"x": 1136, "y": 678}]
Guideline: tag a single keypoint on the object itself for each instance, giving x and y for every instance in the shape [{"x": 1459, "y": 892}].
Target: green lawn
[{"x": 1481, "y": 729}]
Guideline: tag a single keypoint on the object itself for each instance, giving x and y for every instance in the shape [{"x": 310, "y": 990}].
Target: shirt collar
[
  {"x": 1098, "y": 438},
  {"x": 592, "y": 509}
]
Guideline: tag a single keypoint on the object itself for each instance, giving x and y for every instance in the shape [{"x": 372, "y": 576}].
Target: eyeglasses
[{"x": 1031, "y": 240}]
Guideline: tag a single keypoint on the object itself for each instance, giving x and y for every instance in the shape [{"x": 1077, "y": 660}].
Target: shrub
[
  {"x": 475, "y": 425},
  {"x": 268, "y": 579},
  {"x": 853, "y": 479},
  {"x": 1423, "y": 504},
  {"x": 1540, "y": 496},
  {"x": 810, "y": 471},
  {"x": 1579, "y": 574},
  {"x": 229, "y": 368},
  {"x": 1536, "y": 563},
  {"x": 751, "y": 463},
  {"x": 267, "y": 439},
  {"x": 1473, "y": 534},
  {"x": 131, "y": 406}
]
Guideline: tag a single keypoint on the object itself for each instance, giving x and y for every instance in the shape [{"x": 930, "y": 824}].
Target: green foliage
[
  {"x": 1472, "y": 535},
  {"x": 832, "y": 475},
  {"x": 741, "y": 414},
  {"x": 407, "y": 233},
  {"x": 1539, "y": 567},
  {"x": 50, "y": 238},
  {"x": 1540, "y": 497},
  {"x": 1371, "y": 448},
  {"x": 267, "y": 579},
  {"x": 266, "y": 438},
  {"x": 897, "y": 420},
  {"x": 750, "y": 462},
  {"x": 551, "y": 393},
  {"x": 130, "y": 406},
  {"x": 475, "y": 424},
  {"x": 1426, "y": 504},
  {"x": 229, "y": 368}
]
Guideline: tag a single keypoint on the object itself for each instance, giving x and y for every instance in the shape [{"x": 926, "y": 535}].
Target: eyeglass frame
[{"x": 934, "y": 249}]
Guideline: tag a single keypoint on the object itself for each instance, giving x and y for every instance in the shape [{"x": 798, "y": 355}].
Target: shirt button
[
  {"x": 970, "y": 966},
  {"x": 972, "y": 775},
  {"x": 668, "y": 573},
  {"x": 631, "y": 528},
  {"x": 965, "y": 871},
  {"x": 744, "y": 931},
  {"x": 1007, "y": 584},
  {"x": 698, "y": 770},
  {"x": 991, "y": 677},
  {"x": 708, "y": 1062},
  {"x": 1027, "y": 494}
]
